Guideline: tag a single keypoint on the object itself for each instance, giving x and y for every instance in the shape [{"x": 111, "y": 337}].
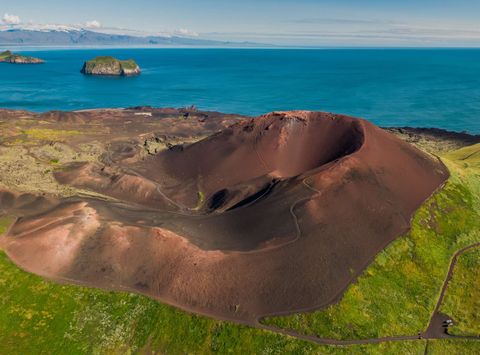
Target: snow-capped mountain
[
  {"x": 69, "y": 35},
  {"x": 39, "y": 27}
]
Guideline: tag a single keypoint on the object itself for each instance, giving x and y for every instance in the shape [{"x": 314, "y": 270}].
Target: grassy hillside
[
  {"x": 5, "y": 54},
  {"x": 453, "y": 347},
  {"x": 462, "y": 299}
]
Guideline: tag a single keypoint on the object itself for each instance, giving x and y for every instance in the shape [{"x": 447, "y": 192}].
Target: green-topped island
[
  {"x": 110, "y": 66},
  {"x": 13, "y": 58}
]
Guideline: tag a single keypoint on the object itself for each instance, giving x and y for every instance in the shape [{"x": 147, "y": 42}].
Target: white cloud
[
  {"x": 93, "y": 24},
  {"x": 10, "y": 19},
  {"x": 185, "y": 32}
]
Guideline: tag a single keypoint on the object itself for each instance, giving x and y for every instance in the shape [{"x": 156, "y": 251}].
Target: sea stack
[
  {"x": 12, "y": 58},
  {"x": 110, "y": 66}
]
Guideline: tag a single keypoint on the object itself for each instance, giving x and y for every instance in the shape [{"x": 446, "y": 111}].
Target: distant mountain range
[{"x": 71, "y": 36}]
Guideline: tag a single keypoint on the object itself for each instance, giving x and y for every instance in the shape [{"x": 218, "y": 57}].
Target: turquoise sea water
[{"x": 395, "y": 87}]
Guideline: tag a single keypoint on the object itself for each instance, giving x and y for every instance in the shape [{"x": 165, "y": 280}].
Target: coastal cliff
[
  {"x": 12, "y": 58},
  {"x": 110, "y": 66}
]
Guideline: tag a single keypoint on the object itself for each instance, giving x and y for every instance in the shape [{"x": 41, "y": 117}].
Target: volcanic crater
[{"x": 266, "y": 216}]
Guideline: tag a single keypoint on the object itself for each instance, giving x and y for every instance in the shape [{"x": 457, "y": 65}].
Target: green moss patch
[
  {"x": 128, "y": 64},
  {"x": 112, "y": 62},
  {"x": 46, "y": 134},
  {"x": 5, "y": 223}
]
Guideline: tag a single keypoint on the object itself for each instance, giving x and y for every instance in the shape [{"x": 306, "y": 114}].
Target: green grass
[
  {"x": 5, "y": 54},
  {"x": 453, "y": 347},
  {"x": 41, "y": 317},
  {"x": 397, "y": 293},
  {"x": 108, "y": 60},
  {"x": 5, "y": 222},
  {"x": 47, "y": 134},
  {"x": 128, "y": 64},
  {"x": 200, "y": 199},
  {"x": 467, "y": 158},
  {"x": 10, "y": 55},
  {"x": 103, "y": 60},
  {"x": 462, "y": 299}
]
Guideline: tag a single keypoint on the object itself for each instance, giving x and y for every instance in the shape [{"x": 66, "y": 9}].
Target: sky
[{"x": 424, "y": 23}]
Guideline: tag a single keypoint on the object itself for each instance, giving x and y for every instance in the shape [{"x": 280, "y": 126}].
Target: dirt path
[
  {"x": 435, "y": 329},
  {"x": 328, "y": 341}
]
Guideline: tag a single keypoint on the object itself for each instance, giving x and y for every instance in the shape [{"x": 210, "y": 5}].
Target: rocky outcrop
[
  {"x": 110, "y": 66},
  {"x": 9, "y": 57}
]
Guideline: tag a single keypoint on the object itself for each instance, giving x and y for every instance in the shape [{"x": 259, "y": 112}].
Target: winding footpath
[{"x": 435, "y": 329}]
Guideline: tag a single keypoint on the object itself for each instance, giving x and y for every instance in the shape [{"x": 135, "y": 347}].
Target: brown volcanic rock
[{"x": 292, "y": 203}]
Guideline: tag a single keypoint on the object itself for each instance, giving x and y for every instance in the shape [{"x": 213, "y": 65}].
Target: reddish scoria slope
[{"x": 292, "y": 203}]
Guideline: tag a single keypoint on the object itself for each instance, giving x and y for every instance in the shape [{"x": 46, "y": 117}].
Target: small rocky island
[
  {"x": 12, "y": 58},
  {"x": 110, "y": 66}
]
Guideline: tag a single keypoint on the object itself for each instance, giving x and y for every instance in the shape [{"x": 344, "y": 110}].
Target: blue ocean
[{"x": 391, "y": 87}]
